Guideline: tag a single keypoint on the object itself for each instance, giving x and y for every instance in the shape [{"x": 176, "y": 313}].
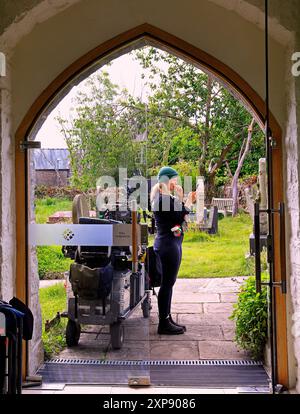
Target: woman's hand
[
  {"x": 178, "y": 190},
  {"x": 191, "y": 199}
]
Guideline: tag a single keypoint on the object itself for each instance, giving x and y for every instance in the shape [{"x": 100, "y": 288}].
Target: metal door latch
[{"x": 26, "y": 145}]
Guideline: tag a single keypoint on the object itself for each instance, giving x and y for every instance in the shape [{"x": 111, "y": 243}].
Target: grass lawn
[
  {"x": 219, "y": 255},
  {"x": 51, "y": 261},
  {"x": 45, "y": 207},
  {"x": 53, "y": 300}
]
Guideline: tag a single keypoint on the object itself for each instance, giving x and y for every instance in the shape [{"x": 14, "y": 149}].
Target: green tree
[
  {"x": 100, "y": 137},
  {"x": 201, "y": 119},
  {"x": 189, "y": 119}
]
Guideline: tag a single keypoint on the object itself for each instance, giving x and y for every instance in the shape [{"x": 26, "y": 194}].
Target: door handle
[
  {"x": 272, "y": 283},
  {"x": 257, "y": 247}
]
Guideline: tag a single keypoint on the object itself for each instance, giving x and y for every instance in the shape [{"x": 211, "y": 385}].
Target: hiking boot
[
  {"x": 166, "y": 327},
  {"x": 176, "y": 324}
]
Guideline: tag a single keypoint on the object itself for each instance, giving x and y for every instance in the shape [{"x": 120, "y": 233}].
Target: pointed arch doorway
[{"x": 150, "y": 35}]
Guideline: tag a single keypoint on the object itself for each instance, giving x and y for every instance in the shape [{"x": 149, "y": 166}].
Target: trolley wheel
[
  {"x": 117, "y": 335},
  {"x": 146, "y": 307},
  {"x": 73, "y": 331}
]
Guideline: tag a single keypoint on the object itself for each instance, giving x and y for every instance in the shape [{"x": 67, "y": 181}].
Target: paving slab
[
  {"x": 197, "y": 333},
  {"x": 50, "y": 282},
  {"x": 132, "y": 350},
  {"x": 144, "y": 333},
  {"x": 187, "y": 308},
  {"x": 224, "y": 308},
  {"x": 228, "y": 332},
  {"x": 204, "y": 319},
  {"x": 220, "y": 350},
  {"x": 196, "y": 297},
  {"x": 87, "y": 349},
  {"x": 174, "y": 350},
  {"x": 229, "y": 297},
  {"x": 221, "y": 285},
  {"x": 203, "y": 305},
  {"x": 154, "y": 318}
]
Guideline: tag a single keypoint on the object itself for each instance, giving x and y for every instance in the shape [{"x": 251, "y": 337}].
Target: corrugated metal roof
[{"x": 51, "y": 159}]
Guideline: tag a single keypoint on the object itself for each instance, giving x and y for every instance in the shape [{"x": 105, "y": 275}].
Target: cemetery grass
[
  {"x": 45, "y": 207},
  {"x": 221, "y": 255},
  {"x": 53, "y": 300}
]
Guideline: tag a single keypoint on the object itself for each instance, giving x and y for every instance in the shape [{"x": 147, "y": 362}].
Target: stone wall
[
  {"x": 7, "y": 200},
  {"x": 52, "y": 177},
  {"x": 36, "y": 351},
  {"x": 292, "y": 147}
]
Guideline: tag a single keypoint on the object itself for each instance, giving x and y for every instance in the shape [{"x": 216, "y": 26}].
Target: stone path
[
  {"x": 203, "y": 305},
  {"x": 47, "y": 283}
]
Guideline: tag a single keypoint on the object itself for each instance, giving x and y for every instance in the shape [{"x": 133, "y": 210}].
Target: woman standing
[{"x": 170, "y": 213}]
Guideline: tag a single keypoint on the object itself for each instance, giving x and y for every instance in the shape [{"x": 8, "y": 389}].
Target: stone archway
[{"x": 106, "y": 51}]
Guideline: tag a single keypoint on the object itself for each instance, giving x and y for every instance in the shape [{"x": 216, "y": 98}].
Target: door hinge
[
  {"x": 273, "y": 143},
  {"x": 26, "y": 145},
  {"x": 270, "y": 251}
]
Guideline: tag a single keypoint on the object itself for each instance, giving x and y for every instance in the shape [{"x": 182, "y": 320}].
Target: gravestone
[
  {"x": 211, "y": 224},
  {"x": 200, "y": 201},
  {"x": 262, "y": 198},
  {"x": 250, "y": 200},
  {"x": 263, "y": 195}
]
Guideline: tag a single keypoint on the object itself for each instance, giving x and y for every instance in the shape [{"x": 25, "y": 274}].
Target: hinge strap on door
[
  {"x": 26, "y": 145},
  {"x": 270, "y": 251}
]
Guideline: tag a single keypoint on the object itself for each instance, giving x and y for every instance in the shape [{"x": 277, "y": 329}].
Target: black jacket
[{"x": 168, "y": 212}]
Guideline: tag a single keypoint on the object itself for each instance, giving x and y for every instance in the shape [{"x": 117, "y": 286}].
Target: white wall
[{"x": 43, "y": 54}]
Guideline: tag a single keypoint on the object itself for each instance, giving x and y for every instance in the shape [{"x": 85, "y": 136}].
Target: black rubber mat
[{"x": 204, "y": 374}]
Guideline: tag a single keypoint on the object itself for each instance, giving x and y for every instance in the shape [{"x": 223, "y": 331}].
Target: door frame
[{"x": 198, "y": 57}]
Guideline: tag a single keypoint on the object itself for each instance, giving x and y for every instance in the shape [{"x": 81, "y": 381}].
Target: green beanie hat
[{"x": 166, "y": 173}]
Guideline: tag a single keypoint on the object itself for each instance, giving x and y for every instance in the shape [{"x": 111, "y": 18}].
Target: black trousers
[{"x": 169, "y": 249}]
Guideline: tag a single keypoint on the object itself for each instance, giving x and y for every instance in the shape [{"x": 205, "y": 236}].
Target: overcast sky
[{"x": 124, "y": 71}]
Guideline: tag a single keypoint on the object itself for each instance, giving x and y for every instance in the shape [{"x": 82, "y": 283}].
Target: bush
[
  {"x": 50, "y": 202},
  {"x": 251, "y": 319},
  {"x": 47, "y": 191}
]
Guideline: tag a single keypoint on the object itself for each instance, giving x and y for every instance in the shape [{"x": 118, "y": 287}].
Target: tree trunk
[
  {"x": 243, "y": 153},
  {"x": 204, "y": 138},
  {"x": 210, "y": 188}
]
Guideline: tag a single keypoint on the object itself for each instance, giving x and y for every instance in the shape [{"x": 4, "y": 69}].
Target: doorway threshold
[{"x": 241, "y": 374}]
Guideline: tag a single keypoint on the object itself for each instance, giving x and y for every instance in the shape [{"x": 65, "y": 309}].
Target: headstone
[
  {"x": 213, "y": 220},
  {"x": 250, "y": 202},
  {"x": 211, "y": 224},
  {"x": 200, "y": 201},
  {"x": 263, "y": 195},
  {"x": 80, "y": 208}
]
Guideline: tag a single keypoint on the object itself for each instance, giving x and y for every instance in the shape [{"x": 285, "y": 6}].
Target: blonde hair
[{"x": 158, "y": 187}]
